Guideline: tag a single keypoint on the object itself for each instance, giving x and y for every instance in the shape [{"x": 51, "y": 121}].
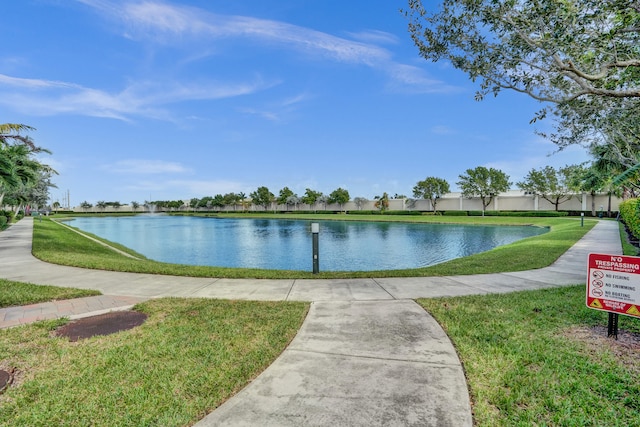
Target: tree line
[
  {"x": 556, "y": 185},
  {"x": 24, "y": 180}
]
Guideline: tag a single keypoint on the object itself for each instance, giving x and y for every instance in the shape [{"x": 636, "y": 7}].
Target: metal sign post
[{"x": 315, "y": 231}]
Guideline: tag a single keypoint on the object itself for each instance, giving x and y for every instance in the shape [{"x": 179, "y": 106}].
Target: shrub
[
  {"x": 455, "y": 213},
  {"x": 403, "y": 213},
  {"x": 630, "y": 216},
  {"x": 520, "y": 213},
  {"x": 7, "y": 215},
  {"x": 3, "y": 222}
]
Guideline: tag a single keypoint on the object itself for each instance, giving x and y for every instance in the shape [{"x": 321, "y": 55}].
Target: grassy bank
[
  {"x": 56, "y": 244},
  {"x": 542, "y": 358},
  {"x": 184, "y": 361},
  {"x": 18, "y": 293}
]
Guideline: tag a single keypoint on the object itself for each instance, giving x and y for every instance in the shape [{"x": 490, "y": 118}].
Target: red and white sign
[{"x": 613, "y": 284}]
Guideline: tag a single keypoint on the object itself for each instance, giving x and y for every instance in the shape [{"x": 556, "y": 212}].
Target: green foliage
[
  {"x": 540, "y": 214},
  {"x": 18, "y": 293},
  {"x": 8, "y": 215},
  {"x": 628, "y": 248},
  {"x": 630, "y": 215},
  {"x": 339, "y": 196},
  {"x": 455, "y": 213},
  {"x": 553, "y": 51},
  {"x": 579, "y": 57},
  {"x": 262, "y": 197},
  {"x": 431, "y": 188},
  {"x": 24, "y": 179},
  {"x": 553, "y": 185},
  {"x": 311, "y": 197},
  {"x": 284, "y": 195},
  {"x": 484, "y": 183},
  {"x": 3, "y": 222},
  {"x": 382, "y": 202}
]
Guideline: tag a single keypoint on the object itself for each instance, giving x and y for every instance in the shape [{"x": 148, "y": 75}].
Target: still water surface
[{"x": 286, "y": 244}]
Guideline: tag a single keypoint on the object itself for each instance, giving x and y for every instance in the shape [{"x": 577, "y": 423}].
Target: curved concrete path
[{"x": 366, "y": 354}]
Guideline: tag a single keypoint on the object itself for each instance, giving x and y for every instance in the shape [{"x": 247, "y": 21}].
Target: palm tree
[
  {"x": 85, "y": 206},
  {"x": 18, "y": 168},
  {"x": 101, "y": 204}
]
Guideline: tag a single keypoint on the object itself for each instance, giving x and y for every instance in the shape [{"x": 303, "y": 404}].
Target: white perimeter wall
[{"x": 509, "y": 201}]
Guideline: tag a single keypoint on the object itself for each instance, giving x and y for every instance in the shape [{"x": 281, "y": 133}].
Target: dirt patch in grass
[
  {"x": 104, "y": 324},
  {"x": 626, "y": 348}
]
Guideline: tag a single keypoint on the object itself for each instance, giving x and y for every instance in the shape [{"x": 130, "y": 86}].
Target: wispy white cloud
[
  {"x": 442, "y": 130},
  {"x": 202, "y": 188},
  {"x": 414, "y": 79},
  {"x": 146, "y": 167},
  {"x": 375, "y": 36},
  {"x": 45, "y": 97},
  {"x": 187, "y": 188},
  {"x": 34, "y": 83},
  {"x": 278, "y": 111},
  {"x": 163, "y": 22}
]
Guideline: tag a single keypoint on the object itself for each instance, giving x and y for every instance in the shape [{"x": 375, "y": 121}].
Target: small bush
[
  {"x": 7, "y": 215},
  {"x": 3, "y": 222},
  {"x": 543, "y": 214},
  {"x": 630, "y": 215},
  {"x": 403, "y": 213},
  {"x": 455, "y": 213}
]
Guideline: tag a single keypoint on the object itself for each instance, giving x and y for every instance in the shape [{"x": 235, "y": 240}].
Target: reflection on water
[{"x": 286, "y": 244}]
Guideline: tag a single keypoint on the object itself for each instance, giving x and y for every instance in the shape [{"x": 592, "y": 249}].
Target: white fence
[{"x": 509, "y": 201}]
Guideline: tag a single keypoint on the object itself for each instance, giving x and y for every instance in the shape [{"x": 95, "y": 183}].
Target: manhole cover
[
  {"x": 104, "y": 324},
  {"x": 5, "y": 380}
]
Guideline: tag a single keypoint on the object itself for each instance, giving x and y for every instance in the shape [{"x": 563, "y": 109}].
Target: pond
[{"x": 287, "y": 244}]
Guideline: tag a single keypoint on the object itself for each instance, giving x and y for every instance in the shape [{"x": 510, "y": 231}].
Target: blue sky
[{"x": 164, "y": 100}]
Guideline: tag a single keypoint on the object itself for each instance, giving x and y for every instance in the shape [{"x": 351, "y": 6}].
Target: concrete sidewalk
[
  {"x": 366, "y": 354},
  {"x": 73, "y": 308}
]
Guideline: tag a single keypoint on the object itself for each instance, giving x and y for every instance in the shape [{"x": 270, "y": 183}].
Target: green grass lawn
[
  {"x": 18, "y": 293},
  {"x": 184, "y": 361},
  {"x": 534, "y": 358},
  {"x": 55, "y": 243}
]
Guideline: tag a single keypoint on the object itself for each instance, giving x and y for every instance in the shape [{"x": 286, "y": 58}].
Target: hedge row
[
  {"x": 630, "y": 216},
  {"x": 508, "y": 213}
]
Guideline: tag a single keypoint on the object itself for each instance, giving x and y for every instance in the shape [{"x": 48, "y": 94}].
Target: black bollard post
[{"x": 315, "y": 231}]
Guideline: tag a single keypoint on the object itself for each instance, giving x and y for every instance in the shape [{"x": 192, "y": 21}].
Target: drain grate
[
  {"x": 104, "y": 324},
  {"x": 6, "y": 378}
]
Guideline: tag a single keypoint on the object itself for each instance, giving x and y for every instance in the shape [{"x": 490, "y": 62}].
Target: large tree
[
  {"x": 579, "y": 57},
  {"x": 20, "y": 171},
  {"x": 382, "y": 202},
  {"x": 485, "y": 183},
  {"x": 360, "y": 202},
  {"x": 431, "y": 188},
  {"x": 311, "y": 197},
  {"x": 339, "y": 196},
  {"x": 553, "y": 185},
  {"x": 553, "y": 51},
  {"x": 262, "y": 197},
  {"x": 284, "y": 195}
]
